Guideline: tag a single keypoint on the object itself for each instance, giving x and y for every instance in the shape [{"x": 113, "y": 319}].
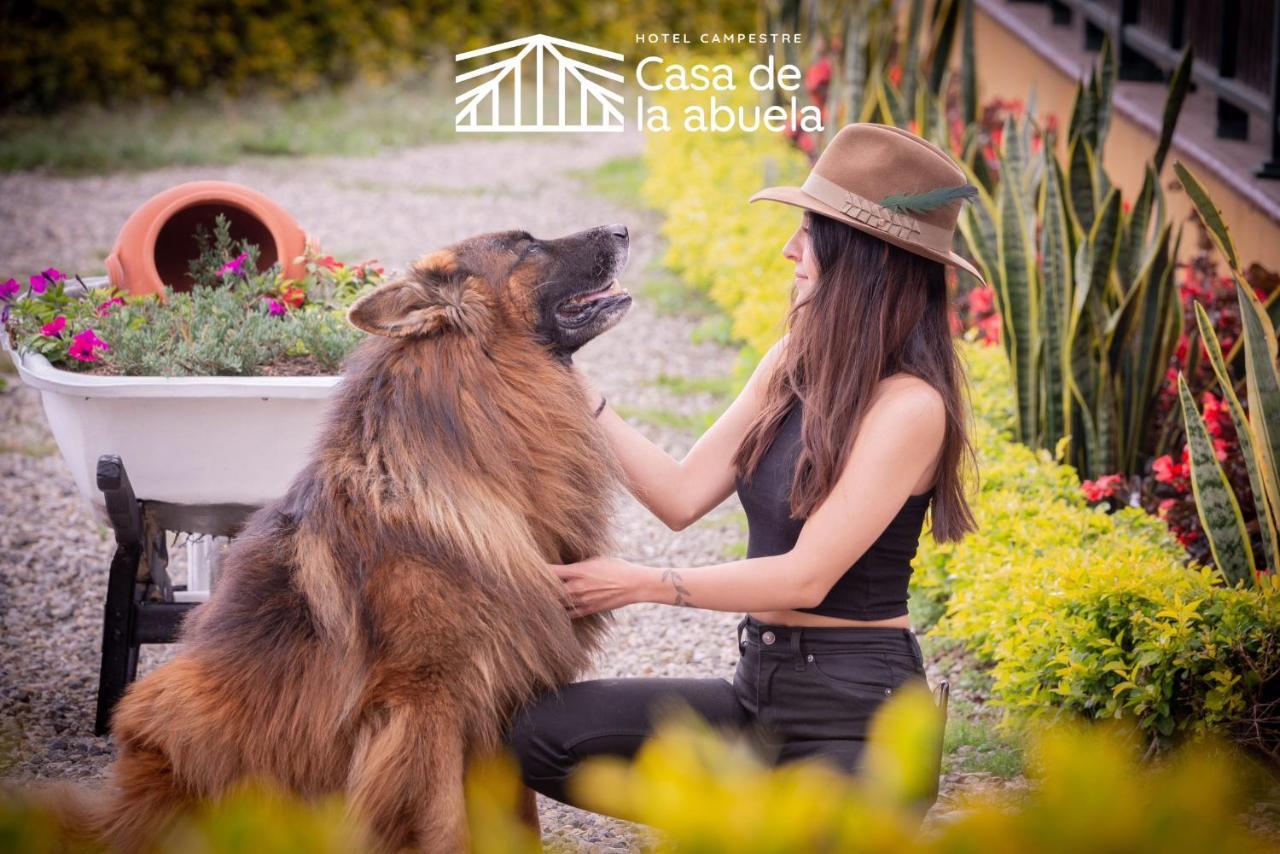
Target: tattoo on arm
[{"x": 682, "y": 594}]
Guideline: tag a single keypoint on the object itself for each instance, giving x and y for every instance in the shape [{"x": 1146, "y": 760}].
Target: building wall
[{"x": 1007, "y": 66}]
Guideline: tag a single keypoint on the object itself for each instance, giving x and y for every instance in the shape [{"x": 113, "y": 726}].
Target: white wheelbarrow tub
[{"x": 183, "y": 440}]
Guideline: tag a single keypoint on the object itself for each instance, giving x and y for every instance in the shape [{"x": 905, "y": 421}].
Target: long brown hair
[{"x": 875, "y": 310}]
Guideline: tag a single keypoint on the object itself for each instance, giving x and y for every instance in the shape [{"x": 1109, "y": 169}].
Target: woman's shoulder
[{"x": 907, "y": 394}]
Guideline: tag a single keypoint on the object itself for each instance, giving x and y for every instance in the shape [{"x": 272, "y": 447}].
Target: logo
[{"x": 486, "y": 107}]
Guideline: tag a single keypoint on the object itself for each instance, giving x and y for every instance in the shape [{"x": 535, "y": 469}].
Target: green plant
[
  {"x": 1258, "y": 430},
  {"x": 326, "y": 336},
  {"x": 235, "y": 321},
  {"x": 1089, "y": 312}
]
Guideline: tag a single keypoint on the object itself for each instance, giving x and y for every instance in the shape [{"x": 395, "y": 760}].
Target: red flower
[
  {"x": 895, "y": 74},
  {"x": 329, "y": 263},
  {"x": 293, "y": 296},
  {"x": 1167, "y": 471},
  {"x": 1103, "y": 487}
]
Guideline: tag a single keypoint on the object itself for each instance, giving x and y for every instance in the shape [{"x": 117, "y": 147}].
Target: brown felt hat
[{"x": 887, "y": 182}]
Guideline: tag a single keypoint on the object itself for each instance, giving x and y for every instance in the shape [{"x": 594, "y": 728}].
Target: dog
[{"x": 376, "y": 628}]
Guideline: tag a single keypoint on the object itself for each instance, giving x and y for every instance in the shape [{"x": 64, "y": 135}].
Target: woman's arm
[
  {"x": 898, "y": 441},
  {"x": 681, "y": 492}
]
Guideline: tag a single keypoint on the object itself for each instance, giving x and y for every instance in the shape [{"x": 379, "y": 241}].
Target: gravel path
[{"x": 54, "y": 555}]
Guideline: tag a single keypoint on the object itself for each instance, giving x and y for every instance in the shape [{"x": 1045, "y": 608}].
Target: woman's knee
[{"x": 552, "y": 734}]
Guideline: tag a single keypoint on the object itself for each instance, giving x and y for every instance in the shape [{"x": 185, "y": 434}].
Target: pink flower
[
  {"x": 234, "y": 266},
  {"x": 105, "y": 307},
  {"x": 54, "y": 327},
  {"x": 38, "y": 284},
  {"x": 1164, "y": 507},
  {"x": 275, "y": 308},
  {"x": 53, "y": 274},
  {"x": 981, "y": 299},
  {"x": 83, "y": 346},
  {"x": 990, "y": 328},
  {"x": 10, "y": 289}
]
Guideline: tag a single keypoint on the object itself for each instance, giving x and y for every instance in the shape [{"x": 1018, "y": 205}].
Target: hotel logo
[{"x": 497, "y": 101}]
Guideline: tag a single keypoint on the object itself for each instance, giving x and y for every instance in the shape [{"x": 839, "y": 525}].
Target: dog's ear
[{"x": 434, "y": 296}]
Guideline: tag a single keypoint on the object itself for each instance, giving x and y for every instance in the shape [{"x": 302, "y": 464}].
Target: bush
[
  {"x": 58, "y": 53},
  {"x": 1095, "y": 613}
]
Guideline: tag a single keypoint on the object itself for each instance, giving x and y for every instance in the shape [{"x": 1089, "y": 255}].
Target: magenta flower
[
  {"x": 83, "y": 346},
  {"x": 105, "y": 307},
  {"x": 38, "y": 284},
  {"x": 53, "y": 274},
  {"x": 275, "y": 308},
  {"x": 10, "y": 289},
  {"x": 54, "y": 327},
  {"x": 234, "y": 266}
]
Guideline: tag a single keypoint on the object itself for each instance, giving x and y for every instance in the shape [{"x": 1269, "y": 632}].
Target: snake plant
[
  {"x": 1258, "y": 430},
  {"x": 1090, "y": 315}
]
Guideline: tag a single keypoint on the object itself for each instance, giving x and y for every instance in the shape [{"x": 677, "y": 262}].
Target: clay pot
[{"x": 157, "y": 242}]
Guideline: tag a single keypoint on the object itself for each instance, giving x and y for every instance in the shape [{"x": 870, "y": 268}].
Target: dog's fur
[{"x": 374, "y": 629}]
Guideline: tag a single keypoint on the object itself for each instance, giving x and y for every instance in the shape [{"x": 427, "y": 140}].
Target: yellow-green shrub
[
  {"x": 1086, "y": 611},
  {"x": 719, "y": 244},
  {"x": 1089, "y": 792}
]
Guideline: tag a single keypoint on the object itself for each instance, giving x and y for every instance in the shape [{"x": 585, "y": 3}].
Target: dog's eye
[{"x": 533, "y": 249}]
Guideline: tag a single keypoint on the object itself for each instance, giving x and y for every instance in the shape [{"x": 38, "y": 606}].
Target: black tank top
[{"x": 875, "y": 587}]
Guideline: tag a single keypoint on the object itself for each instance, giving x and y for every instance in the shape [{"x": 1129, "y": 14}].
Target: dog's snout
[{"x": 619, "y": 231}]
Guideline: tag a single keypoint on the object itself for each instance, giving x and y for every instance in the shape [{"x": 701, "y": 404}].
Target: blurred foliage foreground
[{"x": 703, "y": 791}]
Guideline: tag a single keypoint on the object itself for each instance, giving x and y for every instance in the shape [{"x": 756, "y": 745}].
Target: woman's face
[{"x": 799, "y": 252}]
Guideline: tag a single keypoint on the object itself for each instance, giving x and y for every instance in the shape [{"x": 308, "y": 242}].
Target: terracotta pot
[{"x": 158, "y": 241}]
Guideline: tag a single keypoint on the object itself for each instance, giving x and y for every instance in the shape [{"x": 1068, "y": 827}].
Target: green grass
[
  {"x": 721, "y": 387},
  {"x": 356, "y": 119},
  {"x": 972, "y": 743},
  {"x": 28, "y": 449},
  {"x": 618, "y": 180},
  {"x": 671, "y": 295},
  {"x": 689, "y": 422}
]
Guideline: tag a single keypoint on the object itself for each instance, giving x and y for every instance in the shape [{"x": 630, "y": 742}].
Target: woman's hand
[{"x": 602, "y": 583}]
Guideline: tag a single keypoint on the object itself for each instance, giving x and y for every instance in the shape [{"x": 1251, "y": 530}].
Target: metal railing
[{"x": 1235, "y": 46}]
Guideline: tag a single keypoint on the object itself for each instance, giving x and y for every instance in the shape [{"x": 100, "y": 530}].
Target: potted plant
[{"x": 211, "y": 395}]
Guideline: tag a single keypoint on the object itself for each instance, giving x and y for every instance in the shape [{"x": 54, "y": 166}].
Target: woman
[{"x": 850, "y": 428}]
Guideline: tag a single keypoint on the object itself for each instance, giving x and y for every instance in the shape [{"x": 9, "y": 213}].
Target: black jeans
[{"x": 798, "y": 693}]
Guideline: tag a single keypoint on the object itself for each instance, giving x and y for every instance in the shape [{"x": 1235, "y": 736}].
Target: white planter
[{"x": 184, "y": 440}]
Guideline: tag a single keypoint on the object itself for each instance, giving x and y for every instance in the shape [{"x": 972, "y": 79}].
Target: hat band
[{"x": 877, "y": 216}]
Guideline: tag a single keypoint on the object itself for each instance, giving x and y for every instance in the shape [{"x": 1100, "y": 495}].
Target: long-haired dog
[{"x": 375, "y": 628}]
